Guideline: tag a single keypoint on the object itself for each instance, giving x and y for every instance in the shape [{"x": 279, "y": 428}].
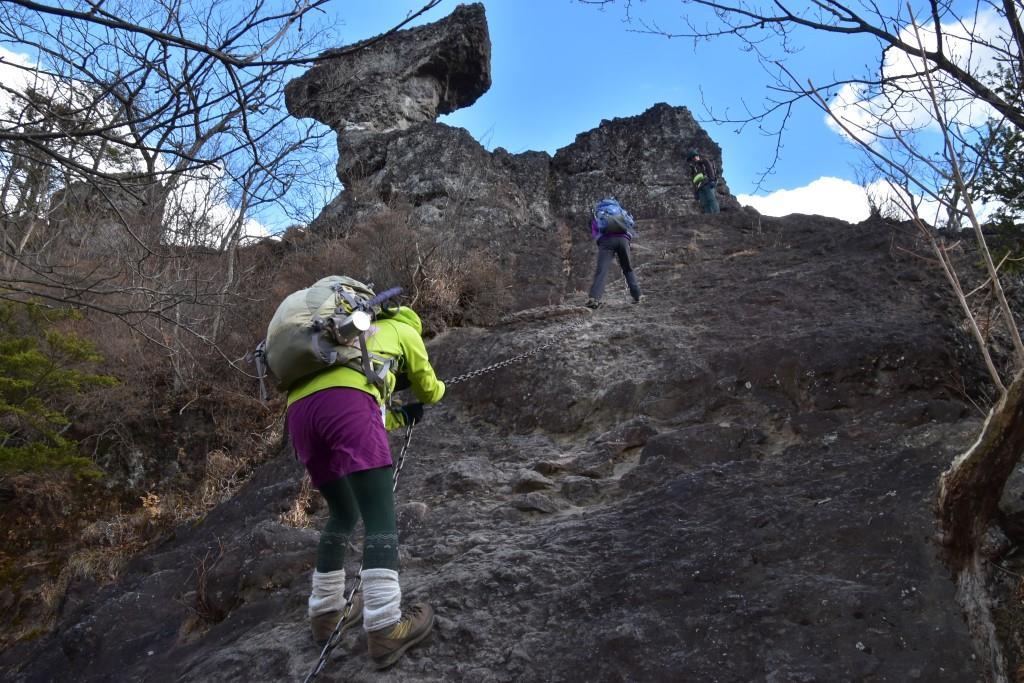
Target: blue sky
[{"x": 559, "y": 67}]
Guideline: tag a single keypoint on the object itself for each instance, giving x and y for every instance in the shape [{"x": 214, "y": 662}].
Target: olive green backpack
[{"x": 322, "y": 326}]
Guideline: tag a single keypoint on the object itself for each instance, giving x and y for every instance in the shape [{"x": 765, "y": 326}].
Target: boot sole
[{"x": 397, "y": 654}]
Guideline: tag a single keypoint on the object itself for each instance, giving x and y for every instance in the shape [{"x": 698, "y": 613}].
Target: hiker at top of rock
[
  {"x": 613, "y": 228},
  {"x": 337, "y": 421},
  {"x": 705, "y": 180}
]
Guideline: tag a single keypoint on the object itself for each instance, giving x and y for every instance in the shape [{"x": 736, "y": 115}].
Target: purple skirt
[{"x": 336, "y": 432}]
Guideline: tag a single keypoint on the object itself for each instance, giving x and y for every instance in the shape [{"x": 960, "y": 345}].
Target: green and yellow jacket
[{"x": 397, "y": 336}]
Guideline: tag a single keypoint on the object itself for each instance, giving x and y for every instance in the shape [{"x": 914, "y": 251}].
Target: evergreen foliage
[
  {"x": 1000, "y": 180},
  {"x": 1002, "y": 177},
  {"x": 41, "y": 370}
]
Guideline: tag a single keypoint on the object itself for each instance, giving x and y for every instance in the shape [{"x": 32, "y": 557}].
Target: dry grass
[
  {"x": 223, "y": 476},
  {"x": 204, "y": 609},
  {"x": 111, "y": 542},
  {"x": 446, "y": 282},
  {"x": 301, "y": 514}
]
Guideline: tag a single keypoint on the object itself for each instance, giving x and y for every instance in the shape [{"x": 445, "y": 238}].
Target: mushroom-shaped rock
[{"x": 393, "y": 81}]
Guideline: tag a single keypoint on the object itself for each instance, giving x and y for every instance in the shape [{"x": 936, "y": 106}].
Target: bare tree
[
  {"x": 152, "y": 133},
  {"x": 938, "y": 69}
]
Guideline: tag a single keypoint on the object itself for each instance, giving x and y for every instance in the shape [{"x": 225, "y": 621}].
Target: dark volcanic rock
[
  {"x": 91, "y": 217},
  {"x": 530, "y": 480},
  {"x": 458, "y": 191},
  {"x": 731, "y": 482},
  {"x": 1011, "y": 506},
  {"x": 528, "y": 212},
  {"x": 639, "y": 159},
  {"x": 697, "y": 446},
  {"x": 399, "y": 79},
  {"x": 712, "y": 514}
]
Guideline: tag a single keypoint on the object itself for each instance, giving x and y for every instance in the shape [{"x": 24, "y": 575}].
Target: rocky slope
[{"x": 732, "y": 482}]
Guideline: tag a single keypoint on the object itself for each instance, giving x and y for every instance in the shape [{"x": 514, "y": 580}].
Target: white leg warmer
[
  {"x": 328, "y": 592},
  {"x": 382, "y": 599}
]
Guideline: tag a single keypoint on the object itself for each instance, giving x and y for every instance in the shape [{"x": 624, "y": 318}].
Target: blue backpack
[{"x": 610, "y": 217}]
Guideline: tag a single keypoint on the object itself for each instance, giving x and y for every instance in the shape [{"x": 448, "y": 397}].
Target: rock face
[
  {"x": 529, "y": 212},
  {"x": 732, "y": 482},
  {"x": 91, "y": 217},
  {"x": 641, "y": 160},
  {"x": 407, "y": 77}
]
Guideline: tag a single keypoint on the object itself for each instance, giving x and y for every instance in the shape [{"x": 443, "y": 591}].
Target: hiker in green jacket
[
  {"x": 705, "y": 180},
  {"x": 337, "y": 422}
]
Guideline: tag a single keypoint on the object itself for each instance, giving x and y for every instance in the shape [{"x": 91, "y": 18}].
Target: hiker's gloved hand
[
  {"x": 402, "y": 381},
  {"x": 412, "y": 412}
]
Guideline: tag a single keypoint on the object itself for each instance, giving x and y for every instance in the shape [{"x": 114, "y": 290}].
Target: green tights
[{"x": 368, "y": 494}]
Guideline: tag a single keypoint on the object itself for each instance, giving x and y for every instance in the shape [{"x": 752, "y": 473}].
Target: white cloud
[
  {"x": 850, "y": 202},
  {"x": 199, "y": 212},
  {"x": 12, "y": 75},
  {"x": 827, "y": 196},
  {"x": 967, "y": 42}
]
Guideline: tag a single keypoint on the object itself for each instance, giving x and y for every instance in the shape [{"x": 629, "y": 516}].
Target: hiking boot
[
  {"x": 389, "y": 644},
  {"x": 322, "y": 625},
  {"x": 592, "y": 303},
  {"x": 640, "y": 299}
]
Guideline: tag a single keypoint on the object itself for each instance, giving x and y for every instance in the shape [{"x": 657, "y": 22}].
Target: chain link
[{"x": 472, "y": 374}]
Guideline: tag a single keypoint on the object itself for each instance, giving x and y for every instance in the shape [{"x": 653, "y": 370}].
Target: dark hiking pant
[
  {"x": 607, "y": 247},
  {"x": 708, "y": 198},
  {"x": 367, "y": 494}
]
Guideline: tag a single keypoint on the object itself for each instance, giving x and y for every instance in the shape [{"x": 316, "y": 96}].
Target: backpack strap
[
  {"x": 325, "y": 353},
  {"x": 348, "y": 297},
  {"x": 375, "y": 368}
]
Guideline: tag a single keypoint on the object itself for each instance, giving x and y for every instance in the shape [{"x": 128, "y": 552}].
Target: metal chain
[
  {"x": 335, "y": 638},
  {"x": 472, "y": 374}
]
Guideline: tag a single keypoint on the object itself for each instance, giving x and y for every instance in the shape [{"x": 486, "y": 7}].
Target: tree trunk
[
  {"x": 970, "y": 489},
  {"x": 973, "y": 595},
  {"x": 969, "y": 493}
]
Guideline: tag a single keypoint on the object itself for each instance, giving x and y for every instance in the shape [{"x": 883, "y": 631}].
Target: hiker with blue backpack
[
  {"x": 338, "y": 351},
  {"x": 705, "y": 180},
  {"x": 613, "y": 228}
]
